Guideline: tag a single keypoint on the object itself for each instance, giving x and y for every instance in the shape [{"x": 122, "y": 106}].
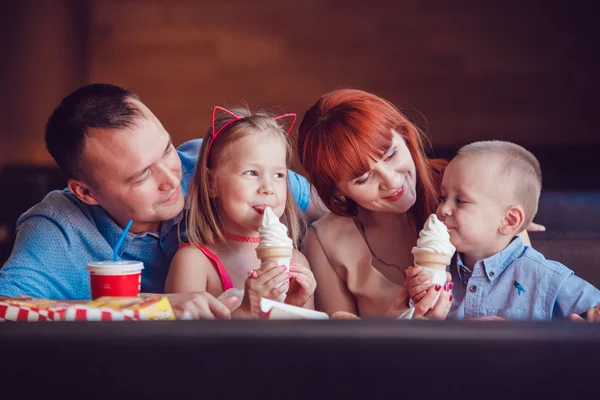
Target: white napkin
[
  {"x": 239, "y": 293},
  {"x": 277, "y": 310},
  {"x": 233, "y": 292}
]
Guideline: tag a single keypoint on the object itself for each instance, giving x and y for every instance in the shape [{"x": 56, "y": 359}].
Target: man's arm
[
  {"x": 306, "y": 197},
  {"x": 316, "y": 209},
  {"x": 43, "y": 265}
]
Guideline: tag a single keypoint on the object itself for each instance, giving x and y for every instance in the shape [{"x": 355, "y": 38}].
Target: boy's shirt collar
[{"x": 494, "y": 265}]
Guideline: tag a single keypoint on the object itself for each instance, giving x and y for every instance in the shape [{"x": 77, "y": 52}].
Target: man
[{"x": 121, "y": 165}]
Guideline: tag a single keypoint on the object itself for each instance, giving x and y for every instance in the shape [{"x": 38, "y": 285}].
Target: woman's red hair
[{"x": 347, "y": 128}]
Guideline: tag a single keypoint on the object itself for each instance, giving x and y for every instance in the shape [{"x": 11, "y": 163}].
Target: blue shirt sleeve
[
  {"x": 188, "y": 154},
  {"x": 41, "y": 264},
  {"x": 300, "y": 189},
  {"x": 575, "y": 296}
]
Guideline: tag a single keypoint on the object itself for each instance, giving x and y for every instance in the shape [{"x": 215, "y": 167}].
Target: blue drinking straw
[{"x": 121, "y": 240}]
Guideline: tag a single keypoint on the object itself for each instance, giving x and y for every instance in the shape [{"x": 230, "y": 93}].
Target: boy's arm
[
  {"x": 576, "y": 296},
  {"x": 591, "y": 315},
  {"x": 43, "y": 265}
]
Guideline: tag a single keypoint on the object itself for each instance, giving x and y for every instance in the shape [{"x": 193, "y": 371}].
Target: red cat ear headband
[{"x": 214, "y": 133}]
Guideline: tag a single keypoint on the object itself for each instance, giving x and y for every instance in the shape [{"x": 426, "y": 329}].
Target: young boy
[{"x": 490, "y": 193}]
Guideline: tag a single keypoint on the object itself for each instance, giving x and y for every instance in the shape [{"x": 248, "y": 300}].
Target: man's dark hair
[{"x": 92, "y": 106}]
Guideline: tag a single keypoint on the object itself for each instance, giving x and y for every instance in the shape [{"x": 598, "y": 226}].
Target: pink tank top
[{"x": 223, "y": 274}]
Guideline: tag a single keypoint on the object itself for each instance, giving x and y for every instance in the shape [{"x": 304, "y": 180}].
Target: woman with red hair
[{"x": 367, "y": 162}]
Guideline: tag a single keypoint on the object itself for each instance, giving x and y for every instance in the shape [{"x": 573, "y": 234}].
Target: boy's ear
[
  {"x": 82, "y": 192},
  {"x": 513, "y": 220}
]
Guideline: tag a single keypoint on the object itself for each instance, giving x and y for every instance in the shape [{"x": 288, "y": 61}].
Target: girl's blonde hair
[{"x": 203, "y": 219}]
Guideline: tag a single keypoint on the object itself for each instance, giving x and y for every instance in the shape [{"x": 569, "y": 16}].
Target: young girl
[{"x": 242, "y": 170}]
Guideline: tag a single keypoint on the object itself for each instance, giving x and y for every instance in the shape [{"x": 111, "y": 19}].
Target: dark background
[{"x": 523, "y": 71}]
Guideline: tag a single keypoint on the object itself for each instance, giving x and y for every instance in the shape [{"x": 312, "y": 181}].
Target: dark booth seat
[{"x": 369, "y": 359}]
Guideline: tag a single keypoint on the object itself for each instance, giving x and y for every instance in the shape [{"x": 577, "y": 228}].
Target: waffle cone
[
  {"x": 266, "y": 254},
  {"x": 343, "y": 315},
  {"x": 432, "y": 260}
]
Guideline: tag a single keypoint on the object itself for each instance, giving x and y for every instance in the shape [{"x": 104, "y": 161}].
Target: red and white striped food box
[
  {"x": 102, "y": 309},
  {"x": 28, "y": 309}
]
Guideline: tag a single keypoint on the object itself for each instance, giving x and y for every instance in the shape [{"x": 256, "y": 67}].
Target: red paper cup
[{"x": 120, "y": 278}]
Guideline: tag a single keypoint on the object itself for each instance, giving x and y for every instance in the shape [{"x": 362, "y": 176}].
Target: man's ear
[
  {"x": 512, "y": 221},
  {"x": 82, "y": 192}
]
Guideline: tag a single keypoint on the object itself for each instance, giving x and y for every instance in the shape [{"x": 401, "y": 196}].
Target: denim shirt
[
  {"x": 518, "y": 283},
  {"x": 59, "y": 236}
]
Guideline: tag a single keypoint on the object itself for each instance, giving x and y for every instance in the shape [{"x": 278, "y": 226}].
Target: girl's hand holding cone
[
  {"x": 302, "y": 285},
  {"x": 268, "y": 277}
]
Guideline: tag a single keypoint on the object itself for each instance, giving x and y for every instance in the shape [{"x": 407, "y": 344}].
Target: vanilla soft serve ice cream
[
  {"x": 434, "y": 238},
  {"x": 434, "y": 251},
  {"x": 272, "y": 232},
  {"x": 274, "y": 241}
]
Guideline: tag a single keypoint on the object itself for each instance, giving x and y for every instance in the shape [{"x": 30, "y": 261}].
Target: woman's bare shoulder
[
  {"x": 339, "y": 239},
  {"x": 332, "y": 223}
]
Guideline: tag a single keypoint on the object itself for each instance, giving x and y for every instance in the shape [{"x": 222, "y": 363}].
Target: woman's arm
[{"x": 332, "y": 293}]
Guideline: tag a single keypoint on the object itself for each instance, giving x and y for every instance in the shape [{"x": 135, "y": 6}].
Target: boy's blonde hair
[
  {"x": 203, "y": 220},
  {"x": 519, "y": 166}
]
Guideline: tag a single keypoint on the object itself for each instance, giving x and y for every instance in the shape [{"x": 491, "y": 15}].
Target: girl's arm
[
  {"x": 188, "y": 271},
  {"x": 187, "y": 284},
  {"x": 302, "y": 283},
  {"x": 332, "y": 293}
]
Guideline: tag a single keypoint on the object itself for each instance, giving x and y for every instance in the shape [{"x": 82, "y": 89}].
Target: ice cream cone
[
  {"x": 434, "y": 261},
  {"x": 344, "y": 315},
  {"x": 270, "y": 253},
  {"x": 274, "y": 242}
]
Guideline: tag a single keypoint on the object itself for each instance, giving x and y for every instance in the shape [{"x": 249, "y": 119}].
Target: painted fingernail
[
  {"x": 450, "y": 285},
  {"x": 451, "y": 297},
  {"x": 438, "y": 288},
  {"x": 284, "y": 267}
]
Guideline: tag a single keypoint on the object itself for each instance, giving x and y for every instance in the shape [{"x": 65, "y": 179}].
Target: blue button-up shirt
[
  {"x": 59, "y": 236},
  {"x": 519, "y": 283}
]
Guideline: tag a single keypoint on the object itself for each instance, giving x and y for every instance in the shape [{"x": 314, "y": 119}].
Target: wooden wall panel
[
  {"x": 524, "y": 71},
  {"x": 43, "y": 57},
  {"x": 521, "y": 72}
]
